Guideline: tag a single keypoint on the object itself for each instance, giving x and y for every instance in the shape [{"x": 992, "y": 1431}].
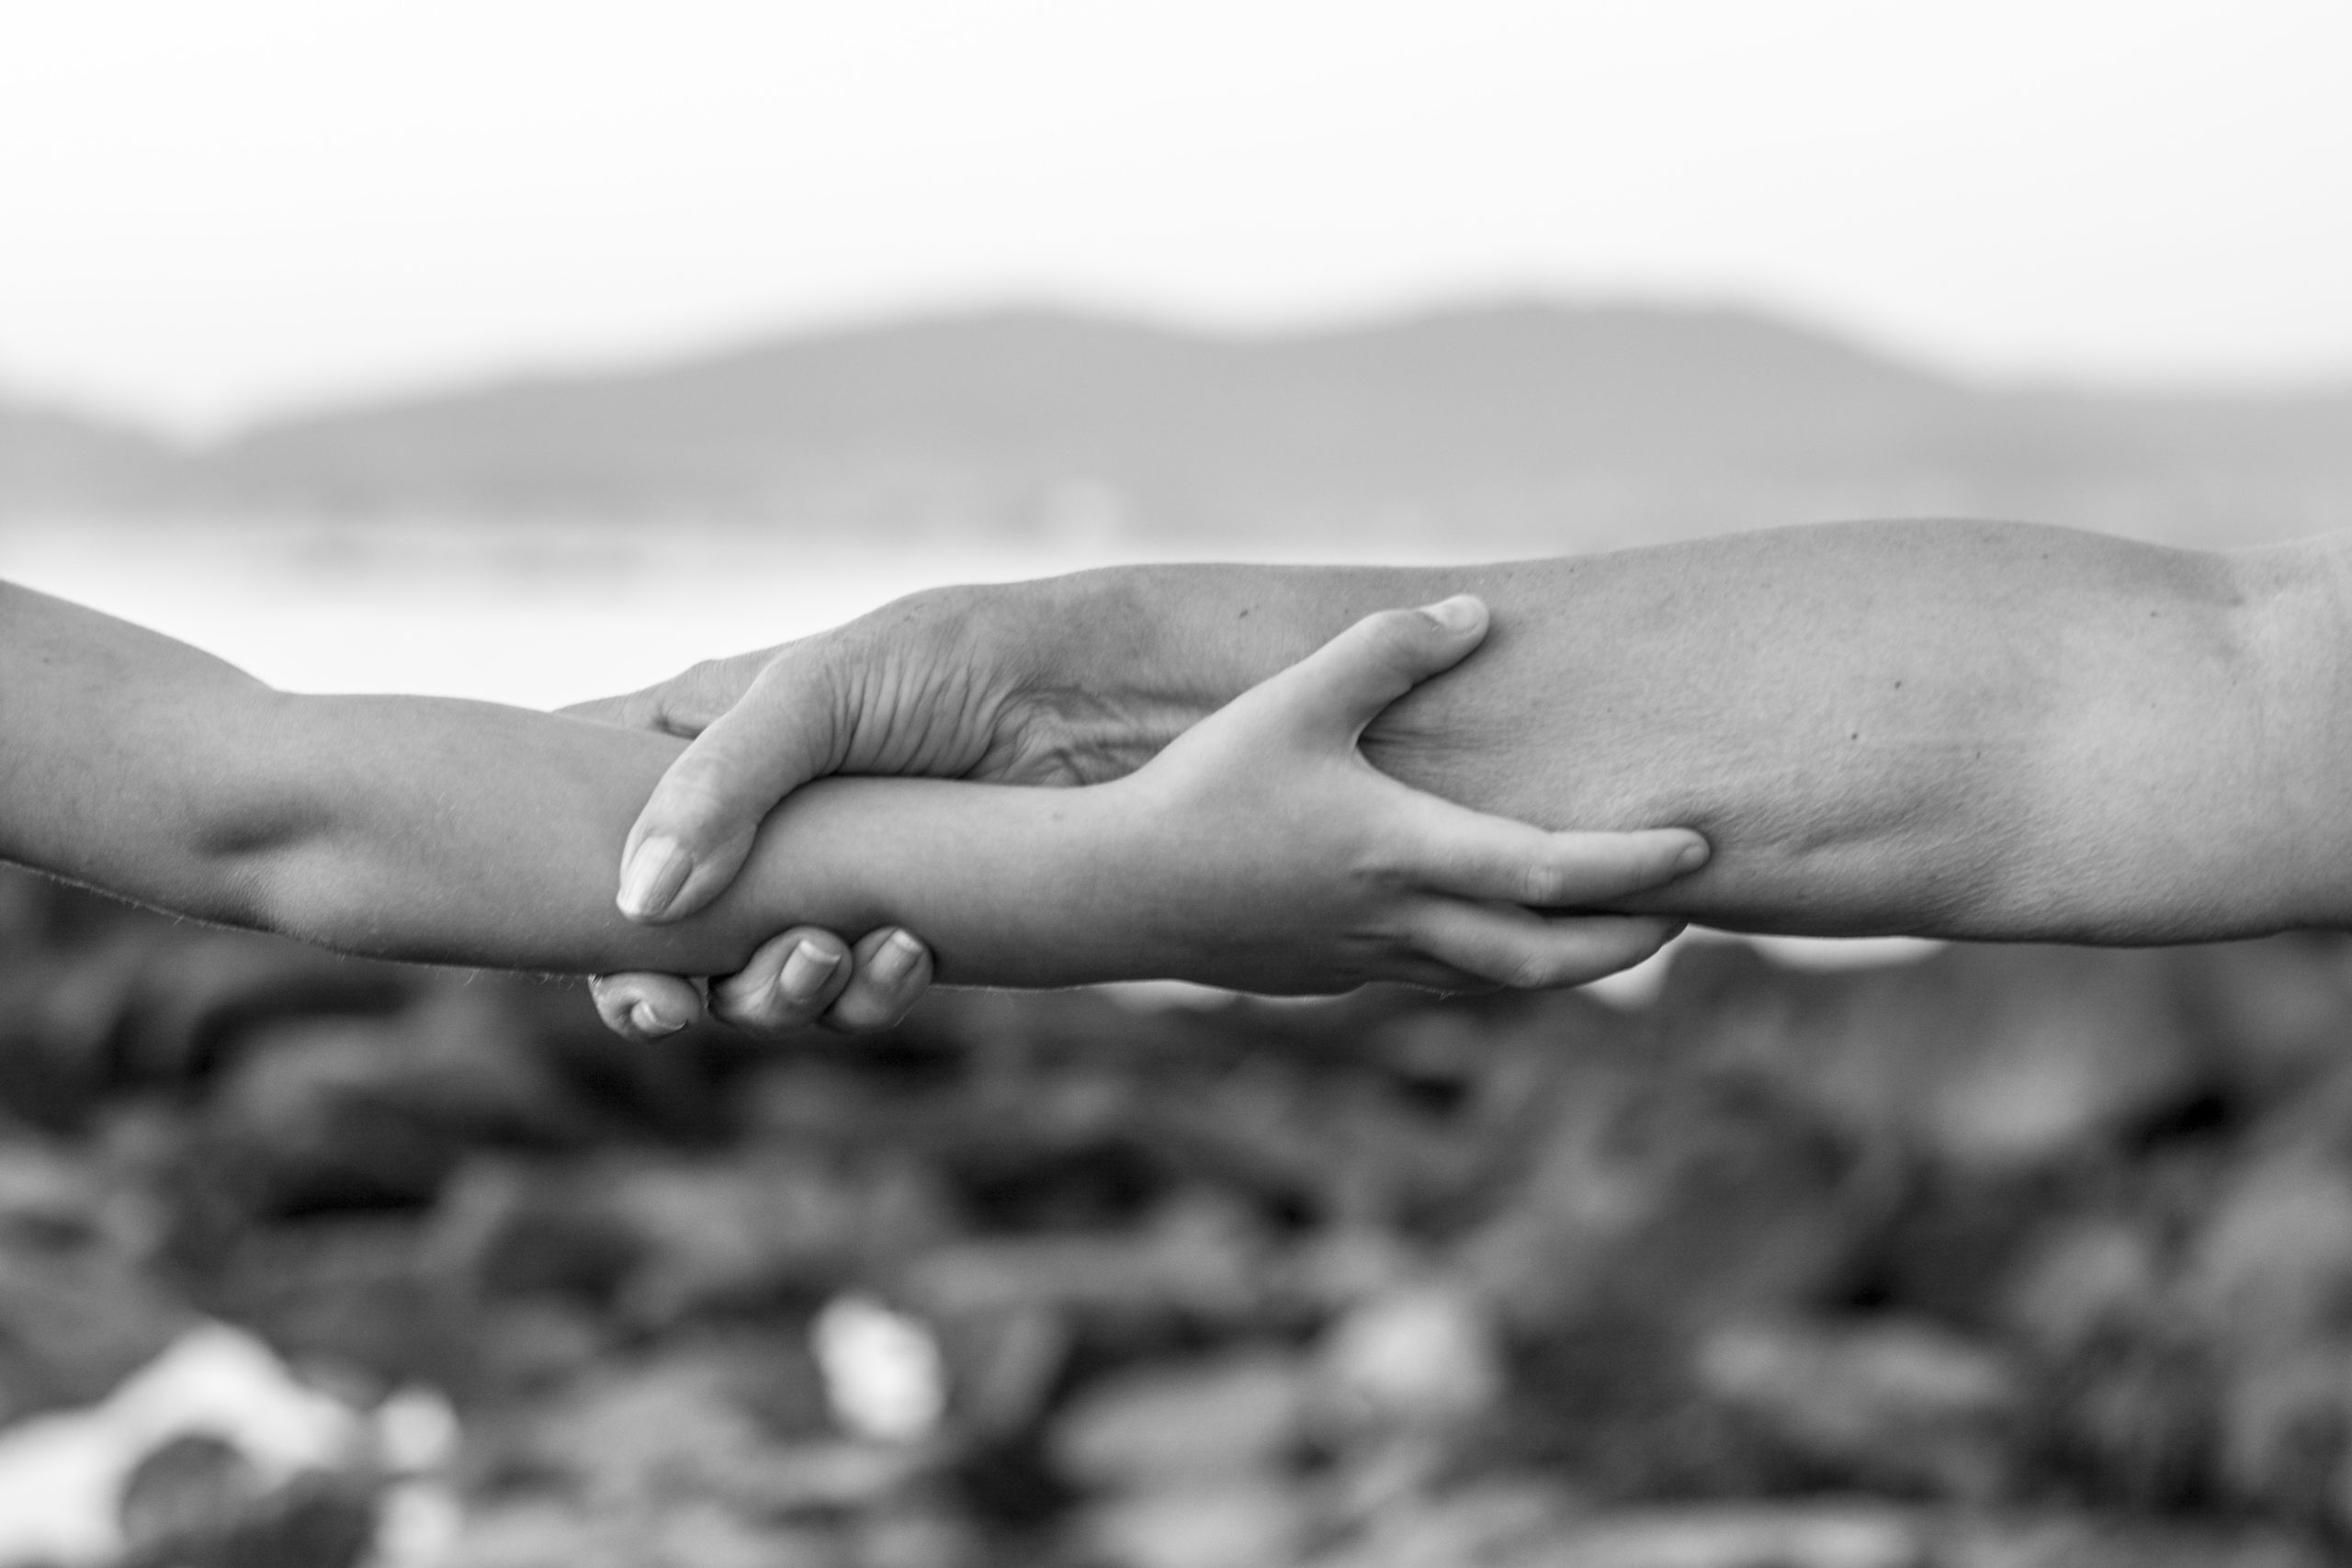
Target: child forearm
[
  {"x": 442, "y": 830},
  {"x": 462, "y": 833},
  {"x": 1259, "y": 850}
]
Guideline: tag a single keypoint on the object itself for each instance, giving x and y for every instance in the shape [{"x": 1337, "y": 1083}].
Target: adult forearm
[{"x": 1970, "y": 731}]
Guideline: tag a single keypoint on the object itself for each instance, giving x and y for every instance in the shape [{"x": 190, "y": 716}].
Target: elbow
[
  {"x": 262, "y": 839},
  {"x": 286, "y": 887},
  {"x": 275, "y": 873}
]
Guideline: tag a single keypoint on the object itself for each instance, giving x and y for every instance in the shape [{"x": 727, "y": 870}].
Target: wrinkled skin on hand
[
  {"x": 987, "y": 684},
  {"x": 916, "y": 687}
]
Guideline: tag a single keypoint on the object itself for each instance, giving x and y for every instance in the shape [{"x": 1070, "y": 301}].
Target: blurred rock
[
  {"x": 1336, "y": 1268},
  {"x": 1851, "y": 1535},
  {"x": 2095, "y": 1278},
  {"x": 355, "y": 1292},
  {"x": 193, "y": 1488},
  {"x": 2132, "y": 1419},
  {"x": 1486, "y": 1525},
  {"x": 884, "y": 1378},
  {"x": 505, "y": 1226},
  {"x": 201, "y": 996},
  {"x": 354, "y": 1113},
  {"x": 717, "y": 1233},
  {"x": 1886, "y": 1404},
  {"x": 1199, "y": 1263},
  {"x": 195, "y": 1502},
  {"x": 2057, "y": 1245},
  {"x": 2273, "y": 1265},
  {"x": 1988, "y": 1057},
  {"x": 917, "y": 1537},
  {"x": 105, "y": 999},
  {"x": 1233, "y": 1523},
  {"x": 693, "y": 1535},
  {"x": 1003, "y": 1367},
  {"x": 74, "y": 1322},
  {"x": 59, "y": 1015},
  {"x": 660, "y": 1239},
  {"x": 294, "y": 1467},
  {"x": 1186, "y": 1424},
  {"x": 1422, "y": 1358},
  {"x": 2286, "y": 1432},
  {"x": 2278, "y": 1011},
  {"x": 522, "y": 1348},
  {"x": 2106, "y": 1541},
  {"x": 722, "y": 1422},
  {"x": 1675, "y": 1198}
]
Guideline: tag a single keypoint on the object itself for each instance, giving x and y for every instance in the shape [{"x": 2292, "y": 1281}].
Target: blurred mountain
[
  {"x": 51, "y": 459},
  {"x": 1569, "y": 427}
]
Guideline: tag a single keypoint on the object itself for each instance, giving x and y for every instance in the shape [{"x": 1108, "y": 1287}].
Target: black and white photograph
[{"x": 1247, "y": 786}]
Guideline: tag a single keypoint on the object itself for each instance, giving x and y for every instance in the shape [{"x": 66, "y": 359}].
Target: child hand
[{"x": 1279, "y": 860}]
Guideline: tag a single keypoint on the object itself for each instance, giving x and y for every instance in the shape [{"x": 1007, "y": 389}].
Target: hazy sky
[{"x": 210, "y": 209}]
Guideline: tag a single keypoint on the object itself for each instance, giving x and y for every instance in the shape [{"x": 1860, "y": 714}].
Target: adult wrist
[{"x": 1100, "y": 671}]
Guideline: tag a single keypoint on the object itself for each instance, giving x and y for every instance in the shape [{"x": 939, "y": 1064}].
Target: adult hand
[
  {"x": 800, "y": 978},
  {"x": 1066, "y": 681},
  {"x": 951, "y": 683},
  {"x": 915, "y": 687}
]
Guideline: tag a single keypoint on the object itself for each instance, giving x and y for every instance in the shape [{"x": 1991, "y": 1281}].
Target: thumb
[
  {"x": 696, "y": 828},
  {"x": 1349, "y": 679}
]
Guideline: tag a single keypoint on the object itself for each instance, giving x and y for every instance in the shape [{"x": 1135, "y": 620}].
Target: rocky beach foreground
[{"x": 2011, "y": 1256}]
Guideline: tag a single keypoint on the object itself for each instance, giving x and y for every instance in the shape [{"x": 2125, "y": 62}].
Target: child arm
[
  {"x": 403, "y": 827},
  {"x": 1264, "y": 853}
]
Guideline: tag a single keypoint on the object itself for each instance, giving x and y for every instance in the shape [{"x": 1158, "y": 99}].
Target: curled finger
[
  {"x": 646, "y": 1008},
  {"x": 788, "y": 983},
  {"x": 1515, "y": 947},
  {"x": 893, "y": 969}
]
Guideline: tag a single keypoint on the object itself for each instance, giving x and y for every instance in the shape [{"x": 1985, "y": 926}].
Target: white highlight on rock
[
  {"x": 884, "y": 1377},
  {"x": 62, "y": 1475}
]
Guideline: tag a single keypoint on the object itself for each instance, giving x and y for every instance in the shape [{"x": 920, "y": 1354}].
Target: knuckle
[
  {"x": 613, "y": 997},
  {"x": 1525, "y": 974},
  {"x": 1533, "y": 970},
  {"x": 1541, "y": 884}
]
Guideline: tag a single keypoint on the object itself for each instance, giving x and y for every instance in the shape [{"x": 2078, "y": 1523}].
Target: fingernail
[
  {"x": 895, "y": 960},
  {"x": 1694, "y": 856},
  {"x": 648, "y": 1020},
  {"x": 1458, "y": 613},
  {"x": 806, "y": 971},
  {"x": 650, "y": 880}
]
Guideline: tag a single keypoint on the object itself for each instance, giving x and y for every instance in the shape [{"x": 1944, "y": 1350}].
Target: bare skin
[
  {"x": 1262, "y": 851},
  {"x": 1958, "y": 729}
]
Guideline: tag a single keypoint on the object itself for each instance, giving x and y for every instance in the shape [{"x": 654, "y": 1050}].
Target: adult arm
[
  {"x": 1958, "y": 729},
  {"x": 1263, "y": 852}
]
